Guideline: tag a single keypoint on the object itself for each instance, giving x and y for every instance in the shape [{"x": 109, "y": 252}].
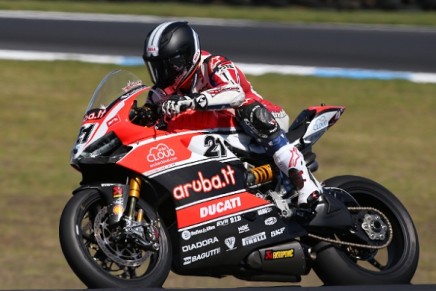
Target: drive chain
[{"x": 339, "y": 242}]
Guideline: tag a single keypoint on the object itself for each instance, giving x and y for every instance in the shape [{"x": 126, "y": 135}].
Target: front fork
[
  {"x": 147, "y": 234},
  {"x": 134, "y": 194}
]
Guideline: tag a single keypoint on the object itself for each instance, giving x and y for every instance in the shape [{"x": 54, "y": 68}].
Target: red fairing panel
[{"x": 158, "y": 154}]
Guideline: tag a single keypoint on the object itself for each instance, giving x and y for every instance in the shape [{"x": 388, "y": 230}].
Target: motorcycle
[{"x": 199, "y": 197}]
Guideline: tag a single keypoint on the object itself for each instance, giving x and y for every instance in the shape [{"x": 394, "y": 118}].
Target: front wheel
[
  {"x": 103, "y": 256},
  {"x": 394, "y": 264}
]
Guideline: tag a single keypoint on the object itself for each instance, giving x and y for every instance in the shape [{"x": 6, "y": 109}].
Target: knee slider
[
  {"x": 265, "y": 121},
  {"x": 259, "y": 119}
]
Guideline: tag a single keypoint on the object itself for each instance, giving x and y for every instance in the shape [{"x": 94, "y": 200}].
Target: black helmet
[{"x": 172, "y": 54}]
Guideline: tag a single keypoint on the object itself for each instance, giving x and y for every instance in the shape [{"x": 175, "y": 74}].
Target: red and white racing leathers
[{"x": 224, "y": 86}]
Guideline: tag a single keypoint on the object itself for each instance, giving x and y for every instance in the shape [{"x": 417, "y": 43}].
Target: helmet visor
[{"x": 166, "y": 71}]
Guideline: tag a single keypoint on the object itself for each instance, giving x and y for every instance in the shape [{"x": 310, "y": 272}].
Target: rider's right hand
[{"x": 176, "y": 105}]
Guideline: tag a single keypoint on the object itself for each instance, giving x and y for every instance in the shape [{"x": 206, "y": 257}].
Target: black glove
[{"x": 143, "y": 116}]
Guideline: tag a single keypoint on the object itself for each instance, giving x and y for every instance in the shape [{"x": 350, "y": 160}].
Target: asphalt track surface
[
  {"x": 291, "y": 288},
  {"x": 372, "y": 47},
  {"x": 346, "y": 46}
]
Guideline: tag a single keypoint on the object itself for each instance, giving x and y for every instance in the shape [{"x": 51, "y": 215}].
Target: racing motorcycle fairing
[{"x": 191, "y": 161}]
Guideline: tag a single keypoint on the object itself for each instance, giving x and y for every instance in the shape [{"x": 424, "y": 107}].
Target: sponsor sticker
[
  {"x": 243, "y": 228},
  {"x": 270, "y": 220},
  {"x": 215, "y": 209},
  {"x": 230, "y": 243},
  {"x": 192, "y": 259},
  {"x": 275, "y": 255},
  {"x": 160, "y": 152},
  {"x": 320, "y": 123},
  {"x": 277, "y": 232},
  {"x": 229, "y": 220},
  {"x": 94, "y": 114},
  {"x": 117, "y": 191},
  {"x": 199, "y": 244},
  {"x": 205, "y": 184},
  {"x": 253, "y": 239},
  {"x": 116, "y": 119},
  {"x": 187, "y": 234},
  {"x": 264, "y": 211}
]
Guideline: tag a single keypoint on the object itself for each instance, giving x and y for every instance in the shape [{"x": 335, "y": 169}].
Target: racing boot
[{"x": 291, "y": 162}]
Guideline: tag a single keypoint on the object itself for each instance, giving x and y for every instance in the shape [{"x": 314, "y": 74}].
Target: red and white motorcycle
[{"x": 201, "y": 198}]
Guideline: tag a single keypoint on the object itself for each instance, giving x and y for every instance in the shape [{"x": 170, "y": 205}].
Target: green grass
[
  {"x": 290, "y": 14},
  {"x": 386, "y": 133}
]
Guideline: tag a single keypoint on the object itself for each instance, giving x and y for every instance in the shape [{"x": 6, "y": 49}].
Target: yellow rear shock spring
[{"x": 262, "y": 174}]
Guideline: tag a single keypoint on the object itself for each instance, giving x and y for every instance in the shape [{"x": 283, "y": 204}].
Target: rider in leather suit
[{"x": 187, "y": 78}]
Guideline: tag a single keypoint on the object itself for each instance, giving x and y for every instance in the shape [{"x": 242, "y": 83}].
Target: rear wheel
[
  {"x": 394, "y": 264},
  {"x": 105, "y": 256}
]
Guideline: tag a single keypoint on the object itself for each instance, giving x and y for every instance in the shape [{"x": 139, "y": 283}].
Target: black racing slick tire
[
  {"x": 394, "y": 264},
  {"x": 100, "y": 263}
]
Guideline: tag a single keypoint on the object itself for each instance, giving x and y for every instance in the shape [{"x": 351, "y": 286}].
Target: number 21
[{"x": 215, "y": 147}]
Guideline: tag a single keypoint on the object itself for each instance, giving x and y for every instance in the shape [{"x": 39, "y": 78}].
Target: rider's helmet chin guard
[{"x": 172, "y": 54}]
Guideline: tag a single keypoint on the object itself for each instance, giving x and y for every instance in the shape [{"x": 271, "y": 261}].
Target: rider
[{"x": 186, "y": 77}]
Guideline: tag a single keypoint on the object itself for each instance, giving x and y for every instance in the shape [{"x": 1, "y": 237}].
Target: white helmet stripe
[
  {"x": 197, "y": 47},
  {"x": 153, "y": 41}
]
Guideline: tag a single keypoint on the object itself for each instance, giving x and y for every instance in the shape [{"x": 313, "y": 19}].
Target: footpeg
[{"x": 282, "y": 204}]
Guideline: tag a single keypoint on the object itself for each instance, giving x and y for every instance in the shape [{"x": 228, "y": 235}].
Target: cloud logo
[{"x": 160, "y": 152}]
